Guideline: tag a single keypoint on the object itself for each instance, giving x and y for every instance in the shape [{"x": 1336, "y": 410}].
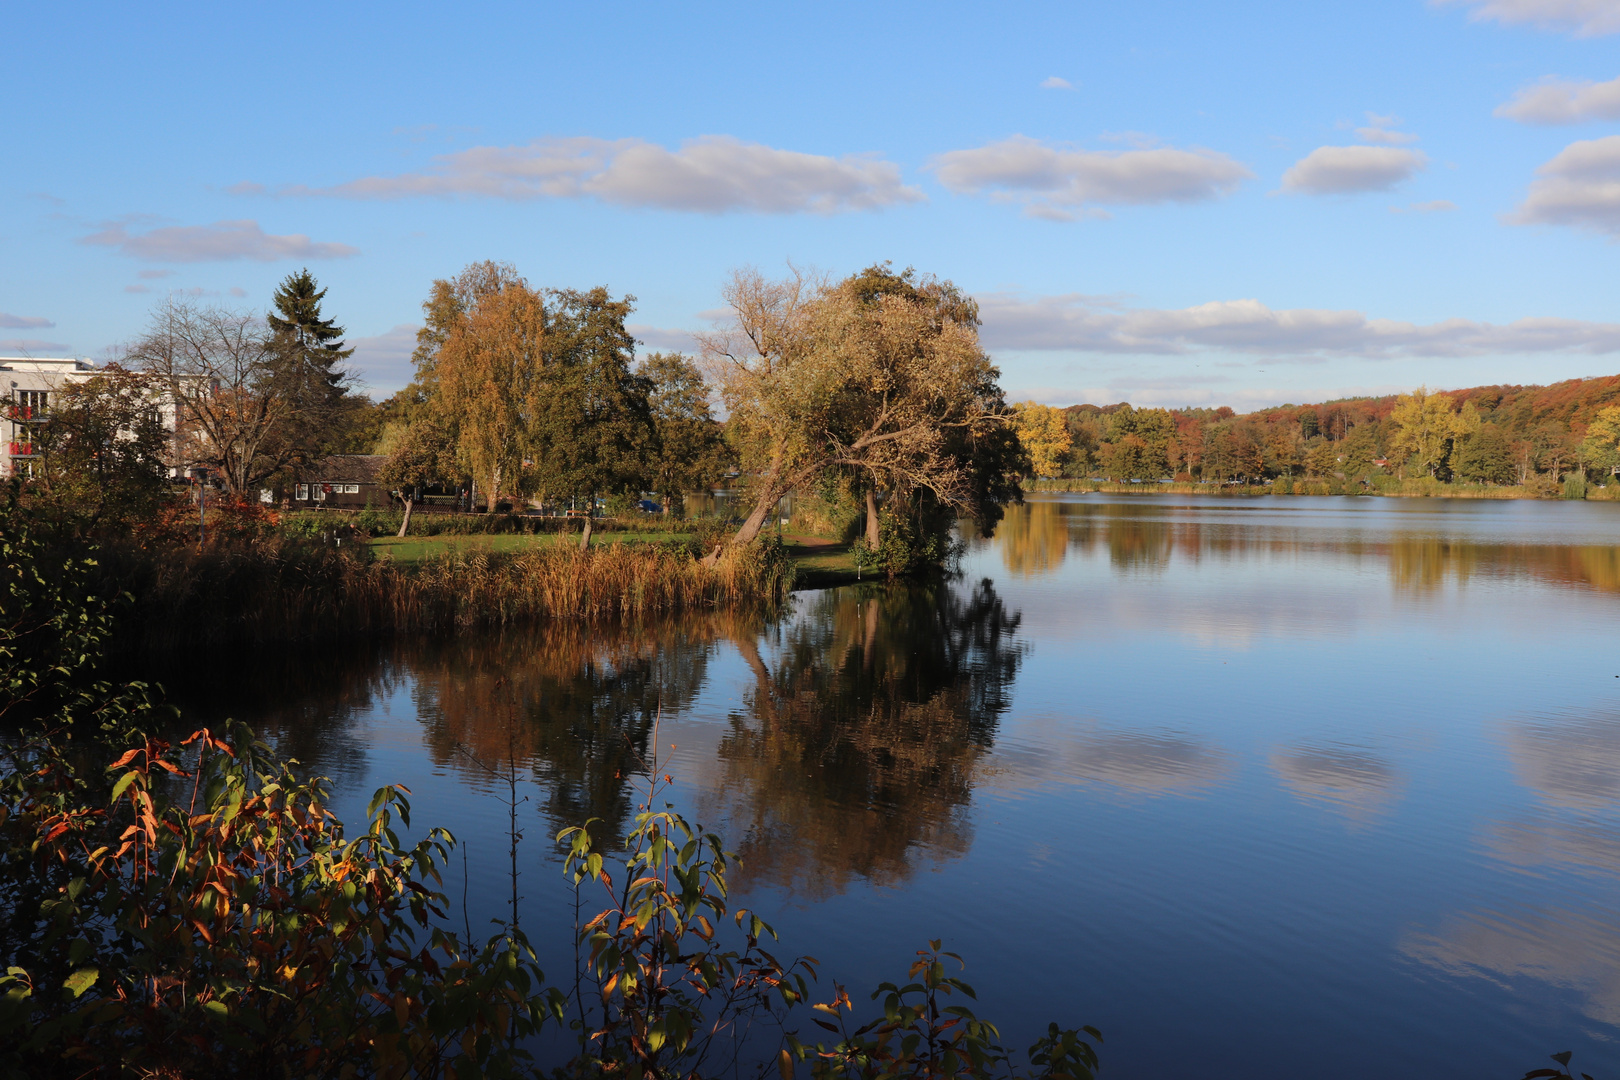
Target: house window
[
  {"x": 30, "y": 404},
  {"x": 320, "y": 491},
  {"x": 351, "y": 489},
  {"x": 303, "y": 491}
]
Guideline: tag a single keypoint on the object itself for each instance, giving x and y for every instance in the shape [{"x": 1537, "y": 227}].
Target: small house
[{"x": 343, "y": 482}]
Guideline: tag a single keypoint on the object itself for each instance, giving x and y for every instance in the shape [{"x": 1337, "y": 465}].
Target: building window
[
  {"x": 303, "y": 491},
  {"x": 351, "y": 489},
  {"x": 30, "y": 404}
]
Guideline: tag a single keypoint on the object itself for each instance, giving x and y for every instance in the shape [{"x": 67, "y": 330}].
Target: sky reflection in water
[{"x": 1257, "y": 786}]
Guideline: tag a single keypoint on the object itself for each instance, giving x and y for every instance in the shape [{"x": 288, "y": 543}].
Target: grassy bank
[
  {"x": 283, "y": 590},
  {"x": 1390, "y": 486}
]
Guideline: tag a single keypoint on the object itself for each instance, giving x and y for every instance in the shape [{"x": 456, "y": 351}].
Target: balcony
[
  {"x": 21, "y": 449},
  {"x": 25, "y": 414}
]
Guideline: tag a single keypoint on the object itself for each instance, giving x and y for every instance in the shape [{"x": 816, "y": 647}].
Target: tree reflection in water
[
  {"x": 857, "y": 744},
  {"x": 572, "y": 708}
]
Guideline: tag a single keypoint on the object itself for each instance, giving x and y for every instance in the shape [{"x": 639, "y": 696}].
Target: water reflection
[
  {"x": 1567, "y": 949},
  {"x": 856, "y": 749},
  {"x": 1573, "y": 767},
  {"x": 1149, "y": 533},
  {"x": 1353, "y": 780},
  {"x": 570, "y": 707}
]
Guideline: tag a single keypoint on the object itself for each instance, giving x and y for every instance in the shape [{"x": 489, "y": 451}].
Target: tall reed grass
[{"x": 279, "y": 590}]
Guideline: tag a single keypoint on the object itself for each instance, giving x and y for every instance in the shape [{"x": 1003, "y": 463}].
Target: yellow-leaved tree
[
  {"x": 1044, "y": 431},
  {"x": 1423, "y": 429},
  {"x": 1602, "y": 443}
]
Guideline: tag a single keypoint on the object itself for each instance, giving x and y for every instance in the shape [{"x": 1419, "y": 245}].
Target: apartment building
[{"x": 28, "y": 389}]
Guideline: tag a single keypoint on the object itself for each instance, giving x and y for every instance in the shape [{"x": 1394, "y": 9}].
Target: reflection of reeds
[{"x": 280, "y": 590}]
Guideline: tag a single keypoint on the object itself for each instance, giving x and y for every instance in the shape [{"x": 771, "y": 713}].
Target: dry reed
[{"x": 279, "y": 590}]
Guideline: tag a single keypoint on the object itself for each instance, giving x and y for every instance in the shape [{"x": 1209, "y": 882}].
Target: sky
[{"x": 1168, "y": 203}]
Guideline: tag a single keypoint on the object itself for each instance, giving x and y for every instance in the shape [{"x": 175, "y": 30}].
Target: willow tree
[
  {"x": 446, "y": 311},
  {"x": 489, "y": 370},
  {"x": 880, "y": 374}
]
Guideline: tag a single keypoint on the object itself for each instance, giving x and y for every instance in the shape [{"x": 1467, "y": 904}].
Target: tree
[
  {"x": 1141, "y": 440},
  {"x": 1044, "y": 432},
  {"x": 423, "y": 456},
  {"x": 448, "y": 302},
  {"x": 488, "y": 374},
  {"x": 220, "y": 367},
  {"x": 1423, "y": 429},
  {"x": 1486, "y": 457},
  {"x": 1322, "y": 459},
  {"x": 1601, "y": 447},
  {"x": 102, "y": 447},
  {"x": 688, "y": 450},
  {"x": 881, "y": 373},
  {"x": 307, "y": 355},
  {"x": 592, "y": 424}
]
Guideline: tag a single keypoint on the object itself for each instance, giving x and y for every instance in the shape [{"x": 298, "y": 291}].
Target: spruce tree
[{"x": 308, "y": 358}]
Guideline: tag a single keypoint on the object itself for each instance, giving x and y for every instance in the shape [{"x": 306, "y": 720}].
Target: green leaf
[{"x": 80, "y": 981}]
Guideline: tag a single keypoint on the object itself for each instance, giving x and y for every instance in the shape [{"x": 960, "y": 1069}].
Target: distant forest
[{"x": 1524, "y": 435}]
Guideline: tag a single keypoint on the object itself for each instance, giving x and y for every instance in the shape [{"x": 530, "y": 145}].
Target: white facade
[{"x": 28, "y": 389}]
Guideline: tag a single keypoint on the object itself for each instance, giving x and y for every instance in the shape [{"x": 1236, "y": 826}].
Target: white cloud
[
  {"x": 1580, "y": 186},
  {"x": 30, "y": 346},
  {"x": 24, "y": 322},
  {"x": 221, "y": 241},
  {"x": 1339, "y": 170},
  {"x": 1564, "y": 101},
  {"x": 1055, "y": 82},
  {"x": 661, "y": 339},
  {"x": 710, "y": 175},
  {"x": 1081, "y": 323},
  {"x": 1433, "y": 206},
  {"x": 238, "y": 291},
  {"x": 384, "y": 360},
  {"x": 1583, "y": 18},
  {"x": 1381, "y": 129},
  {"x": 137, "y": 288},
  {"x": 1066, "y": 184}
]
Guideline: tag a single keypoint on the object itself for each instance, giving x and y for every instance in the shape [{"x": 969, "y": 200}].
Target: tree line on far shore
[{"x": 1532, "y": 436}]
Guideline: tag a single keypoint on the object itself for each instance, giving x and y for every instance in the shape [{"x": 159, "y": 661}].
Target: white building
[{"x": 28, "y": 389}]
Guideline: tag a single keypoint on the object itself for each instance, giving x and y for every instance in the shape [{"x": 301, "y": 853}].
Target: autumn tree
[
  {"x": 220, "y": 367},
  {"x": 881, "y": 374},
  {"x": 688, "y": 451},
  {"x": 422, "y": 456},
  {"x": 1423, "y": 428},
  {"x": 1045, "y": 434},
  {"x": 1601, "y": 446},
  {"x": 488, "y": 373}
]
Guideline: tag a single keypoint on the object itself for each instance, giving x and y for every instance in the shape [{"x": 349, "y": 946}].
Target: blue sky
[{"x": 1171, "y": 203}]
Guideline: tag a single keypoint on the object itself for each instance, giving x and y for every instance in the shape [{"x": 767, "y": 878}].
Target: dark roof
[{"x": 346, "y": 468}]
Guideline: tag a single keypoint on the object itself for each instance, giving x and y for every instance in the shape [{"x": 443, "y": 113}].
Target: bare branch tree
[{"x": 219, "y": 365}]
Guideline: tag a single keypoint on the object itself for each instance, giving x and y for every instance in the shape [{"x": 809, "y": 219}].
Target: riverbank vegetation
[
  {"x": 1559, "y": 441},
  {"x": 187, "y": 906}
]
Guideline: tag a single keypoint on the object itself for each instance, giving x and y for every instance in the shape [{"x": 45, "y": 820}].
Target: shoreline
[{"x": 1391, "y": 489}]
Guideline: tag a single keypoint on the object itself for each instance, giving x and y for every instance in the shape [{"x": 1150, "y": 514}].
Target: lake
[{"x": 1325, "y": 787}]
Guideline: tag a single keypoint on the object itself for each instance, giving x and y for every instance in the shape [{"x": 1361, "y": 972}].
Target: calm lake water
[{"x": 1260, "y": 787}]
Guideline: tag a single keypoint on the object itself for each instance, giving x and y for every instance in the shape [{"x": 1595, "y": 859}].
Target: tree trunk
[
  {"x": 406, "y": 522},
  {"x": 874, "y": 538},
  {"x": 585, "y": 537}
]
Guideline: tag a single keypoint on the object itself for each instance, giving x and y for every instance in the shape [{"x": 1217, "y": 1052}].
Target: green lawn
[
  {"x": 411, "y": 549},
  {"x": 819, "y": 561}
]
